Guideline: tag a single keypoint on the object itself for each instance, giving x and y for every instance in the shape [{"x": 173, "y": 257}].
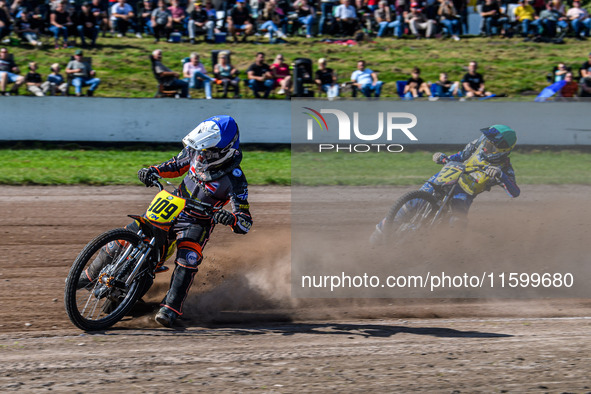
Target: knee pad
[{"x": 189, "y": 255}]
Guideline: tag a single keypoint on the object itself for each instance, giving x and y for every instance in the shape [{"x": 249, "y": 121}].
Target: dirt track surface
[{"x": 243, "y": 333}]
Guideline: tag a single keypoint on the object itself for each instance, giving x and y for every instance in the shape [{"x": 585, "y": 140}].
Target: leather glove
[
  {"x": 439, "y": 157},
  {"x": 224, "y": 217},
  {"x": 145, "y": 175},
  {"x": 493, "y": 172}
]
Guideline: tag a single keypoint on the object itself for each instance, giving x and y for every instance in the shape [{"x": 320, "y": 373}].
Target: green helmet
[{"x": 500, "y": 141}]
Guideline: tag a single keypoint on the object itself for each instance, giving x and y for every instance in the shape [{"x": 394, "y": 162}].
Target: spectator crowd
[
  {"x": 279, "y": 77},
  {"x": 80, "y": 23},
  {"x": 66, "y": 24}
]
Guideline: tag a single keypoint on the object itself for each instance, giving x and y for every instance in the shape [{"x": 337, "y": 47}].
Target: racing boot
[{"x": 166, "y": 317}]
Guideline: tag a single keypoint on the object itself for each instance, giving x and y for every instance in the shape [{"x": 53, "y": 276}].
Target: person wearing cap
[
  {"x": 326, "y": 79},
  {"x": 199, "y": 22},
  {"x": 240, "y": 21},
  {"x": 366, "y": 80},
  {"x": 419, "y": 21},
  {"x": 346, "y": 17},
  {"x": 579, "y": 20},
  {"x": 87, "y": 24},
  {"x": 82, "y": 74}
]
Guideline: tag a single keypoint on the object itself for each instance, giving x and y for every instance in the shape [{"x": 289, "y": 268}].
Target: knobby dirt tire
[
  {"x": 390, "y": 227},
  {"x": 137, "y": 288}
]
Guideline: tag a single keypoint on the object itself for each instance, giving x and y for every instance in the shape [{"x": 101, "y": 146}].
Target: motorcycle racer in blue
[{"x": 492, "y": 150}]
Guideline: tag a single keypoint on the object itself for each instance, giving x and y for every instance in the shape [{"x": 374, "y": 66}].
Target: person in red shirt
[
  {"x": 571, "y": 88},
  {"x": 282, "y": 75}
]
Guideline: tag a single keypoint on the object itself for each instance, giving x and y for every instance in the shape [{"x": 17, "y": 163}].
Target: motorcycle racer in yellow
[{"x": 491, "y": 151}]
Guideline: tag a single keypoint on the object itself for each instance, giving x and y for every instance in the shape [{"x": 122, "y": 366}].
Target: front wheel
[
  {"x": 412, "y": 212},
  {"x": 96, "y": 296}
]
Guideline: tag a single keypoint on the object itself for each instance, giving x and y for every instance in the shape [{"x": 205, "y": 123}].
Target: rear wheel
[
  {"x": 412, "y": 212},
  {"x": 96, "y": 296}
]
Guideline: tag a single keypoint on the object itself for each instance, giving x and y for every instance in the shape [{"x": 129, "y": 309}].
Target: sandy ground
[{"x": 243, "y": 332}]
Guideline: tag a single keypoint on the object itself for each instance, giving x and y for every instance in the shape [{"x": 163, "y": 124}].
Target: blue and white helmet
[
  {"x": 219, "y": 132},
  {"x": 215, "y": 140}
]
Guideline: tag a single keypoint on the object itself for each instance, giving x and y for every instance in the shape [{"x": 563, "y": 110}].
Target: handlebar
[{"x": 190, "y": 203}]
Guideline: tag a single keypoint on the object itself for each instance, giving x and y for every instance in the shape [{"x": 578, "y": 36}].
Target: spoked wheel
[
  {"x": 413, "y": 212},
  {"x": 96, "y": 296}
]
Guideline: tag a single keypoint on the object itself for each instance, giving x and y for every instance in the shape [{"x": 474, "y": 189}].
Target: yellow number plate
[{"x": 165, "y": 207}]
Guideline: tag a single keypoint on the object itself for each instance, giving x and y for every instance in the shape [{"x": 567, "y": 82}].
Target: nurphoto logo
[{"x": 389, "y": 123}]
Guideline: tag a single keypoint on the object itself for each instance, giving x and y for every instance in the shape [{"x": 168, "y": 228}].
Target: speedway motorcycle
[
  {"x": 118, "y": 267},
  {"x": 419, "y": 210}
]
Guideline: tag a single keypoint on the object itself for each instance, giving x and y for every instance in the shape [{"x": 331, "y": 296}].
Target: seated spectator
[
  {"x": 526, "y": 16},
  {"x": 200, "y": 22},
  {"x": 366, "y": 80},
  {"x": 101, "y": 13},
  {"x": 579, "y": 20},
  {"x": 415, "y": 86},
  {"x": 87, "y": 25},
  {"x": 195, "y": 73},
  {"x": 326, "y": 79},
  {"x": 33, "y": 80},
  {"x": 383, "y": 16},
  {"x": 82, "y": 75},
  {"x": 122, "y": 18},
  {"x": 364, "y": 14},
  {"x": 306, "y": 14},
  {"x": 178, "y": 16},
  {"x": 346, "y": 18},
  {"x": 240, "y": 21},
  {"x": 493, "y": 21},
  {"x": 445, "y": 88},
  {"x": 473, "y": 82},
  {"x": 282, "y": 75},
  {"x": 4, "y": 20},
  {"x": 269, "y": 20},
  {"x": 586, "y": 87},
  {"x": 59, "y": 21},
  {"x": 585, "y": 70},
  {"x": 9, "y": 74},
  {"x": 448, "y": 17},
  {"x": 55, "y": 82},
  {"x": 26, "y": 30},
  {"x": 161, "y": 21},
  {"x": 326, "y": 10},
  {"x": 166, "y": 77},
  {"x": 558, "y": 73},
  {"x": 144, "y": 17},
  {"x": 570, "y": 88},
  {"x": 260, "y": 77},
  {"x": 227, "y": 74},
  {"x": 419, "y": 21},
  {"x": 549, "y": 20}
]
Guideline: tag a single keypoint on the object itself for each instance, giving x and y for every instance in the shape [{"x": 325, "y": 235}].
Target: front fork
[{"x": 444, "y": 204}]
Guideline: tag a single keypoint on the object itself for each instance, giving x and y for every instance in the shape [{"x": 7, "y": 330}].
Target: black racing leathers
[{"x": 218, "y": 187}]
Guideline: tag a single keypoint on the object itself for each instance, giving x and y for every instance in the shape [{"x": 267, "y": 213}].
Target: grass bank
[
  {"x": 510, "y": 66},
  {"x": 119, "y": 167}
]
